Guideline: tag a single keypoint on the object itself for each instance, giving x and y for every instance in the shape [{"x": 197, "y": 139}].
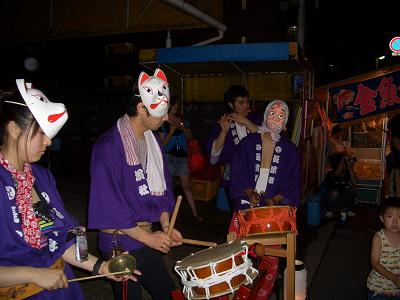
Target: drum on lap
[
  {"x": 216, "y": 271},
  {"x": 267, "y": 219}
]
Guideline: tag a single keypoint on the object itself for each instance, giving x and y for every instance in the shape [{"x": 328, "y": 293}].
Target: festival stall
[
  {"x": 201, "y": 74},
  {"x": 362, "y": 105}
]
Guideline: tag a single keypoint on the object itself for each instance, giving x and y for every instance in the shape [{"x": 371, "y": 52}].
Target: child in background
[{"x": 384, "y": 280}]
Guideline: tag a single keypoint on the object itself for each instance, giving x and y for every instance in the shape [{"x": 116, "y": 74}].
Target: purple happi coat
[
  {"x": 231, "y": 141},
  {"x": 119, "y": 193},
  {"x": 284, "y": 174},
  {"x": 14, "y": 251}
]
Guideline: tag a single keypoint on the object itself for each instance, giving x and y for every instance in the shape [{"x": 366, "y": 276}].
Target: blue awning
[{"x": 224, "y": 53}]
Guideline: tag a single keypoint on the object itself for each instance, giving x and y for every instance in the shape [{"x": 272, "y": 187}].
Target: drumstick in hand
[
  {"x": 172, "y": 224},
  {"x": 125, "y": 272},
  {"x": 199, "y": 243},
  {"x": 174, "y": 214}
]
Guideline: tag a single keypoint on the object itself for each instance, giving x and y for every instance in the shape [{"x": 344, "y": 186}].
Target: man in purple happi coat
[
  {"x": 266, "y": 164},
  {"x": 130, "y": 184},
  {"x": 265, "y": 171},
  {"x": 230, "y": 130}
]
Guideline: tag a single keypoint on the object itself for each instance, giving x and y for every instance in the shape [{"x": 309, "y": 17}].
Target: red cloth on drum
[
  {"x": 265, "y": 284},
  {"x": 268, "y": 264},
  {"x": 177, "y": 295}
]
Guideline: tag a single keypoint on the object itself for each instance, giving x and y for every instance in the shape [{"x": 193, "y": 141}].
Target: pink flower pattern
[{"x": 25, "y": 180}]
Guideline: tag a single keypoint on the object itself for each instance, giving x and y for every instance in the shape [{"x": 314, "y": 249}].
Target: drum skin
[{"x": 268, "y": 219}]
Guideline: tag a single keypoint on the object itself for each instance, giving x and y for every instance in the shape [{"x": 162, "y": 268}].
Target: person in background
[
  {"x": 334, "y": 143},
  {"x": 174, "y": 135},
  {"x": 392, "y": 176},
  {"x": 36, "y": 248},
  {"x": 339, "y": 183},
  {"x": 232, "y": 127},
  {"x": 384, "y": 279},
  {"x": 132, "y": 188}
]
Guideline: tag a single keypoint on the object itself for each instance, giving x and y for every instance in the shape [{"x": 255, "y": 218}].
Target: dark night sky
[{"x": 349, "y": 35}]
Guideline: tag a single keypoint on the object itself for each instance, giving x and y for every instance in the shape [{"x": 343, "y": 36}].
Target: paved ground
[
  {"x": 345, "y": 266},
  {"x": 335, "y": 256}
]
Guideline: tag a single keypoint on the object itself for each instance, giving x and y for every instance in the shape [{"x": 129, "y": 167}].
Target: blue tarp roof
[{"x": 228, "y": 53}]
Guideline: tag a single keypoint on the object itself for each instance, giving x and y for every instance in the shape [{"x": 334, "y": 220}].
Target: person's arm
[
  {"x": 375, "y": 256},
  {"x": 218, "y": 144},
  {"x": 88, "y": 265},
  {"x": 157, "y": 240},
  {"x": 243, "y": 121},
  {"x": 166, "y": 138},
  {"x": 352, "y": 175},
  {"x": 46, "y": 278}
]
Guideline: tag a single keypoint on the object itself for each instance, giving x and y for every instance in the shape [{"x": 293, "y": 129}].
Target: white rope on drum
[{"x": 214, "y": 278}]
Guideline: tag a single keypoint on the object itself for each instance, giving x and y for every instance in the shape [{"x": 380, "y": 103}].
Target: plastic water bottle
[
  {"x": 313, "y": 211},
  {"x": 343, "y": 216}
]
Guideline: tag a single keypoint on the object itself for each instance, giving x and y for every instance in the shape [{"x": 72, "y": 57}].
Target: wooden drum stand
[{"x": 289, "y": 252}]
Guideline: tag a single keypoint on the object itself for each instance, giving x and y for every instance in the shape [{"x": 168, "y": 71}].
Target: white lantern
[{"x": 300, "y": 281}]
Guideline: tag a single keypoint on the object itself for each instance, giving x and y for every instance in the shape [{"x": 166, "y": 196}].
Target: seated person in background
[
  {"x": 339, "y": 182},
  {"x": 334, "y": 144}
]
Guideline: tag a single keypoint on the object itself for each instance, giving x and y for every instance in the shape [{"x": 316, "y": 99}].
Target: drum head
[{"x": 211, "y": 255}]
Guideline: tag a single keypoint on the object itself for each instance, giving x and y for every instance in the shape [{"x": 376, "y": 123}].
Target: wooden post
[{"x": 290, "y": 268}]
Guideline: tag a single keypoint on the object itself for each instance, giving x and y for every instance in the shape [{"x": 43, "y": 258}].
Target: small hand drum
[
  {"x": 215, "y": 271},
  {"x": 268, "y": 219}
]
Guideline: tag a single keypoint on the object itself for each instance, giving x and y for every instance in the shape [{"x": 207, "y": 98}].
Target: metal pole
[
  {"x": 325, "y": 135},
  {"x": 383, "y": 157}
]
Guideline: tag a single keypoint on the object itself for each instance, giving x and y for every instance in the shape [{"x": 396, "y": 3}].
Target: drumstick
[
  {"x": 174, "y": 214},
  {"x": 199, "y": 243},
  {"x": 126, "y": 271}
]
